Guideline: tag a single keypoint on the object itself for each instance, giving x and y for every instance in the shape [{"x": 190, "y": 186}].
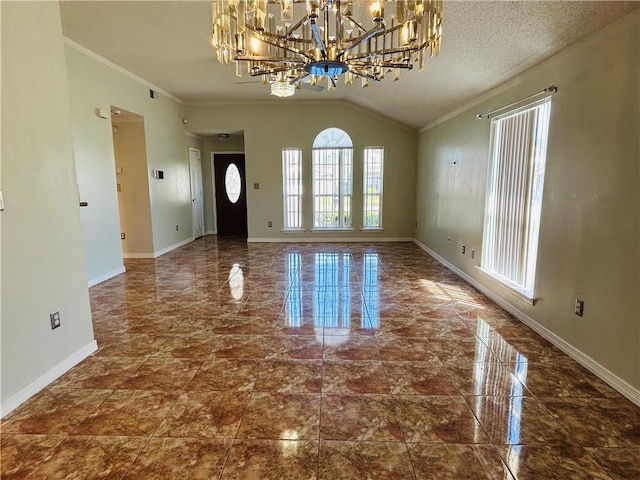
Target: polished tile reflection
[{"x": 228, "y": 360}]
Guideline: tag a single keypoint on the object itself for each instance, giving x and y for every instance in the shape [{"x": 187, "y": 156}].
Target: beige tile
[
  {"x": 359, "y": 418},
  {"x": 552, "y": 463},
  {"x": 55, "y": 411},
  {"x": 90, "y": 457},
  {"x": 281, "y": 416},
  {"x": 205, "y": 414},
  {"x": 369, "y": 362},
  {"x": 457, "y": 462},
  {"x": 438, "y": 419},
  {"x": 20, "y": 454},
  {"x": 184, "y": 458},
  {"x": 272, "y": 460},
  {"x": 350, "y": 460},
  {"x": 290, "y": 376},
  {"x": 128, "y": 412}
]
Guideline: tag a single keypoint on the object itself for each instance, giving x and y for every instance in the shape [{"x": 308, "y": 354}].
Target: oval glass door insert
[{"x": 233, "y": 183}]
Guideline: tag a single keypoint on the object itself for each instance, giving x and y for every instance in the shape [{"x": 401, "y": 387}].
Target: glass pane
[{"x": 233, "y": 183}]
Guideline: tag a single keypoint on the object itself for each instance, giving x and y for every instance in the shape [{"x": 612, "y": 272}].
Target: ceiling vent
[{"x": 223, "y": 137}]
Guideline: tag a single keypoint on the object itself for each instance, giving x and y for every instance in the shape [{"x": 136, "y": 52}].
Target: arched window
[{"x": 332, "y": 179}]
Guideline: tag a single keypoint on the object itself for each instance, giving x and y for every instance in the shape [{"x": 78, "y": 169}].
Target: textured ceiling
[{"x": 483, "y": 44}]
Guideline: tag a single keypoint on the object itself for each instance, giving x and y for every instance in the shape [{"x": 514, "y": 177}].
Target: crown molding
[
  {"x": 119, "y": 69},
  {"x": 580, "y": 45}
]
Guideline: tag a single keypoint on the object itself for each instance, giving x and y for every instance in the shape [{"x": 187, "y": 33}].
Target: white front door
[{"x": 195, "y": 169}]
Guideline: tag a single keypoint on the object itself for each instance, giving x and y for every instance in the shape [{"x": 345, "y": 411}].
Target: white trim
[
  {"x": 138, "y": 255},
  {"x": 622, "y": 386},
  {"x": 293, "y": 230},
  {"x": 161, "y": 252},
  {"x": 119, "y": 69},
  {"x": 210, "y": 232},
  {"x": 329, "y": 239},
  {"x": 41, "y": 382},
  {"x": 331, "y": 230},
  {"x": 372, "y": 229},
  {"x": 106, "y": 276}
]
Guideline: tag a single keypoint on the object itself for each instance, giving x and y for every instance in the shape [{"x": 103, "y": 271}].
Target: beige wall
[
  {"x": 268, "y": 128},
  {"x": 133, "y": 198},
  {"x": 589, "y": 238},
  {"x": 42, "y": 264},
  {"x": 94, "y": 84}
]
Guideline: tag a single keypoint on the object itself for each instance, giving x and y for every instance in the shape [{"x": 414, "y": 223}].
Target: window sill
[
  {"x": 511, "y": 288},
  {"x": 293, "y": 230},
  {"x": 372, "y": 229},
  {"x": 322, "y": 230}
]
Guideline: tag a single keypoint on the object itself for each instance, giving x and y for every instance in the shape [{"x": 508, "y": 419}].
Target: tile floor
[{"x": 223, "y": 360}]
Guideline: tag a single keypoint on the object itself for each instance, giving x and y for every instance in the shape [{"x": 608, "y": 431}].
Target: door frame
[
  {"x": 213, "y": 182},
  {"x": 193, "y": 227}
]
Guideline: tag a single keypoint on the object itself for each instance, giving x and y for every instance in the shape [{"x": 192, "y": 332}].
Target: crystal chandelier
[{"x": 285, "y": 41}]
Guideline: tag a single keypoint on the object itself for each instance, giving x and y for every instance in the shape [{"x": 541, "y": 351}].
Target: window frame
[
  {"x": 286, "y": 213},
  {"x": 520, "y": 250},
  {"x": 344, "y": 152},
  {"x": 365, "y": 194}
]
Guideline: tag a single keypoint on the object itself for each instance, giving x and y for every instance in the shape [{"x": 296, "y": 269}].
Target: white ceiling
[{"x": 483, "y": 44}]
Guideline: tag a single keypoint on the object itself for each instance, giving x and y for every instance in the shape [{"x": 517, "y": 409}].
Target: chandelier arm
[
  {"x": 289, "y": 32},
  {"x": 318, "y": 37},
  {"x": 407, "y": 66},
  {"x": 364, "y": 75},
  {"x": 362, "y": 29},
  {"x": 288, "y": 48},
  {"x": 390, "y": 51},
  {"x": 300, "y": 78},
  {"x": 365, "y": 36},
  {"x": 292, "y": 62}
]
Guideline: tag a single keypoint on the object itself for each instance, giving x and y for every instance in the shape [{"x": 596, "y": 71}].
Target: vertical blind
[
  {"x": 372, "y": 186},
  {"x": 514, "y": 195},
  {"x": 292, "y": 188}
]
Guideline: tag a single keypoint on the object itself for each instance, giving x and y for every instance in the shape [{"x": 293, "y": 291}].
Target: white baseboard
[
  {"x": 106, "y": 276},
  {"x": 211, "y": 232},
  {"x": 138, "y": 255},
  {"x": 622, "y": 386},
  {"x": 184, "y": 242},
  {"x": 317, "y": 239},
  {"x": 38, "y": 384}
]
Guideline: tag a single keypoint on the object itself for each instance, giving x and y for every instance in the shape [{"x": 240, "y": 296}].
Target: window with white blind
[
  {"x": 292, "y": 188},
  {"x": 332, "y": 179},
  {"x": 514, "y": 195},
  {"x": 372, "y": 187}
]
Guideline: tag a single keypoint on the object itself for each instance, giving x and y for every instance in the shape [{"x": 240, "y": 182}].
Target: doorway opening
[
  {"x": 197, "y": 203},
  {"x": 132, "y": 183}
]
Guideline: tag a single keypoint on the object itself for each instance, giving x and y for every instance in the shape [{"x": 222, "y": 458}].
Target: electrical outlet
[
  {"x": 122, "y": 236},
  {"x": 464, "y": 249},
  {"x": 579, "y": 307},
  {"x": 177, "y": 228},
  {"x": 256, "y": 186},
  {"x": 270, "y": 224},
  {"x": 55, "y": 319}
]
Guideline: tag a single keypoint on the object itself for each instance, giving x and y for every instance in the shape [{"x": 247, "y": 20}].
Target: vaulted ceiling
[{"x": 483, "y": 44}]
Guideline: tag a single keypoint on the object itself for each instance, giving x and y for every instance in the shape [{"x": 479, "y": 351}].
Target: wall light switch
[
  {"x": 256, "y": 186},
  {"x": 1, "y": 202}
]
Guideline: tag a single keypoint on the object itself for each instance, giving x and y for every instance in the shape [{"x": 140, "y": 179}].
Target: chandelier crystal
[{"x": 285, "y": 41}]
